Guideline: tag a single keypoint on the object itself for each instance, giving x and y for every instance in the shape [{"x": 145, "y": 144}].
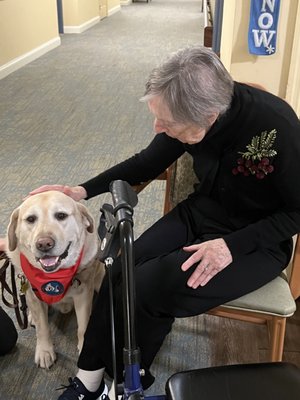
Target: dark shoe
[{"x": 77, "y": 391}]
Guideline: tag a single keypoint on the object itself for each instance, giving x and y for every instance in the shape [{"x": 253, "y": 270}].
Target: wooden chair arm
[{"x": 141, "y": 186}]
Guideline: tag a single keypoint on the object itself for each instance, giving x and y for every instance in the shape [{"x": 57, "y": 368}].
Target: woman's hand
[
  {"x": 213, "y": 256},
  {"x": 77, "y": 193}
]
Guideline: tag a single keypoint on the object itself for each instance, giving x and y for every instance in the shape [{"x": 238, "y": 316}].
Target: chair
[
  {"x": 271, "y": 304},
  {"x": 263, "y": 381}
]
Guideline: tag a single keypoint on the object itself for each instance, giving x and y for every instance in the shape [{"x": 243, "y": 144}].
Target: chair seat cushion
[
  {"x": 274, "y": 298},
  {"x": 265, "y": 381}
]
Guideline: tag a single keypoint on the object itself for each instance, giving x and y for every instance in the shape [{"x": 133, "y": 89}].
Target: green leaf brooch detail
[{"x": 257, "y": 160}]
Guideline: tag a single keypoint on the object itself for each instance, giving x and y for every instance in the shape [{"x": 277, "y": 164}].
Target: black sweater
[{"x": 264, "y": 207}]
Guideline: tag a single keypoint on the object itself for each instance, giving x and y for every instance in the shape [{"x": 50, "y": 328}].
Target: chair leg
[{"x": 277, "y": 333}]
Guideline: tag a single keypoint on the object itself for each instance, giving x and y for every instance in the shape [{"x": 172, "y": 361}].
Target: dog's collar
[{"x": 49, "y": 287}]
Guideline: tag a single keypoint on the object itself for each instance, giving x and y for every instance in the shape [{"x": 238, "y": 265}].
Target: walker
[{"x": 116, "y": 233}]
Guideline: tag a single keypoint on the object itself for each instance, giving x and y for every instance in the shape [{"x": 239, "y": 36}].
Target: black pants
[
  {"x": 161, "y": 290},
  {"x": 8, "y": 333}
]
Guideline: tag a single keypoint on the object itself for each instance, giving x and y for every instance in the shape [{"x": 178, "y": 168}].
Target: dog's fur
[{"x": 44, "y": 227}]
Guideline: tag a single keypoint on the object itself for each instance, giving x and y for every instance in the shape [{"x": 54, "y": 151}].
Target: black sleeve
[{"x": 147, "y": 164}]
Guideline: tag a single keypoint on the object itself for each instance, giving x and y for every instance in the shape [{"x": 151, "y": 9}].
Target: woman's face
[{"x": 164, "y": 122}]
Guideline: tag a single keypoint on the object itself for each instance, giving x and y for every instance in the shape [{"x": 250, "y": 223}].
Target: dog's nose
[{"x": 45, "y": 243}]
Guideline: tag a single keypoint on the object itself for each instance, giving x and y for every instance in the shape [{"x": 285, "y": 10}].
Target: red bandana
[{"x": 50, "y": 287}]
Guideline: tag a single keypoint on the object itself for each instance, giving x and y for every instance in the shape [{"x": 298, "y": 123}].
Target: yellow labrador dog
[{"x": 51, "y": 240}]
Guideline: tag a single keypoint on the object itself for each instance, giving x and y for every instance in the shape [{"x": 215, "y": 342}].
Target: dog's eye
[
  {"x": 60, "y": 216},
  {"x": 31, "y": 219}
]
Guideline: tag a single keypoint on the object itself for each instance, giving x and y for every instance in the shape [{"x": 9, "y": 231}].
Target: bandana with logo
[{"x": 49, "y": 287}]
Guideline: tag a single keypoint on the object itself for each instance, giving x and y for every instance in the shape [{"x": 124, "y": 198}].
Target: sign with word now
[{"x": 262, "y": 32}]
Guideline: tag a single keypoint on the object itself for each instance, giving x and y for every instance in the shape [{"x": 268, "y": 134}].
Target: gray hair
[{"x": 193, "y": 83}]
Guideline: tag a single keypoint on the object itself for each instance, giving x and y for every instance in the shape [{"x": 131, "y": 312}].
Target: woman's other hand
[{"x": 213, "y": 256}]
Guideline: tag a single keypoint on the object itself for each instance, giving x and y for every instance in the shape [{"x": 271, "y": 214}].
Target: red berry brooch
[{"x": 257, "y": 160}]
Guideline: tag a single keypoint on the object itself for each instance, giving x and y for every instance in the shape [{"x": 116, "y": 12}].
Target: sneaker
[{"x": 77, "y": 391}]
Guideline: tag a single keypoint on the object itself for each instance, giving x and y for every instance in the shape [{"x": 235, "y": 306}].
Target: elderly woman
[{"x": 229, "y": 237}]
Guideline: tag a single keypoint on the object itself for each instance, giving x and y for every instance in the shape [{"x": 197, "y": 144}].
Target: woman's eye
[
  {"x": 60, "y": 216},
  {"x": 31, "y": 219}
]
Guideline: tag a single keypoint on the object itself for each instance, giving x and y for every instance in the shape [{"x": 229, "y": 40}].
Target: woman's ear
[{"x": 213, "y": 118}]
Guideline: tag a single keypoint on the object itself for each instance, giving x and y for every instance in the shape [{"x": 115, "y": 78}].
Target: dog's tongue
[{"x": 49, "y": 261}]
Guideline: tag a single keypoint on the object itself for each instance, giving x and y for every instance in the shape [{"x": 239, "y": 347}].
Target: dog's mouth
[{"x": 51, "y": 263}]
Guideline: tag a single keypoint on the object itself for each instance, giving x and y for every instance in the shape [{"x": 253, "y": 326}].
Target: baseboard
[
  {"x": 26, "y": 58},
  {"x": 125, "y": 2},
  {"x": 114, "y": 10},
  {"x": 83, "y": 27}
]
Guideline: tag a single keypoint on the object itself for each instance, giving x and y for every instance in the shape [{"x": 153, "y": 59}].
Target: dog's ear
[
  {"x": 89, "y": 220},
  {"x": 11, "y": 230}
]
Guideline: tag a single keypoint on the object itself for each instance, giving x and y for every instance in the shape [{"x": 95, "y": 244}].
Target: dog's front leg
[
  {"x": 83, "y": 308},
  {"x": 44, "y": 352}
]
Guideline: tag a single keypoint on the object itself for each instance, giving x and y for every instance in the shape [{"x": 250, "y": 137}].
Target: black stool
[{"x": 263, "y": 381}]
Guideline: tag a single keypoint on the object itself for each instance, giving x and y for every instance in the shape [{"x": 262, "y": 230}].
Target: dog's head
[{"x": 50, "y": 229}]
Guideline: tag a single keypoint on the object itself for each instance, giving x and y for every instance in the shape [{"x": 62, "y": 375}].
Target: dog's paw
[{"x": 44, "y": 357}]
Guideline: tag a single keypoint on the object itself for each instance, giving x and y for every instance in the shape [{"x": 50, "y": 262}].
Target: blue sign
[{"x": 262, "y": 32}]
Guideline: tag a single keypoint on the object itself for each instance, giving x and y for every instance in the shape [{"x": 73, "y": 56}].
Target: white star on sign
[{"x": 270, "y": 49}]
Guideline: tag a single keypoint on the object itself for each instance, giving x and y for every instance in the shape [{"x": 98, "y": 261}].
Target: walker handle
[{"x": 123, "y": 195}]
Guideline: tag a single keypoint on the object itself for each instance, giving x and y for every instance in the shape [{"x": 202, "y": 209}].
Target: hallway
[{"x": 67, "y": 116}]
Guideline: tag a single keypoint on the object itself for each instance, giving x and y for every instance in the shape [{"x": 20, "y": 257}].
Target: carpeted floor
[{"x": 66, "y": 117}]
